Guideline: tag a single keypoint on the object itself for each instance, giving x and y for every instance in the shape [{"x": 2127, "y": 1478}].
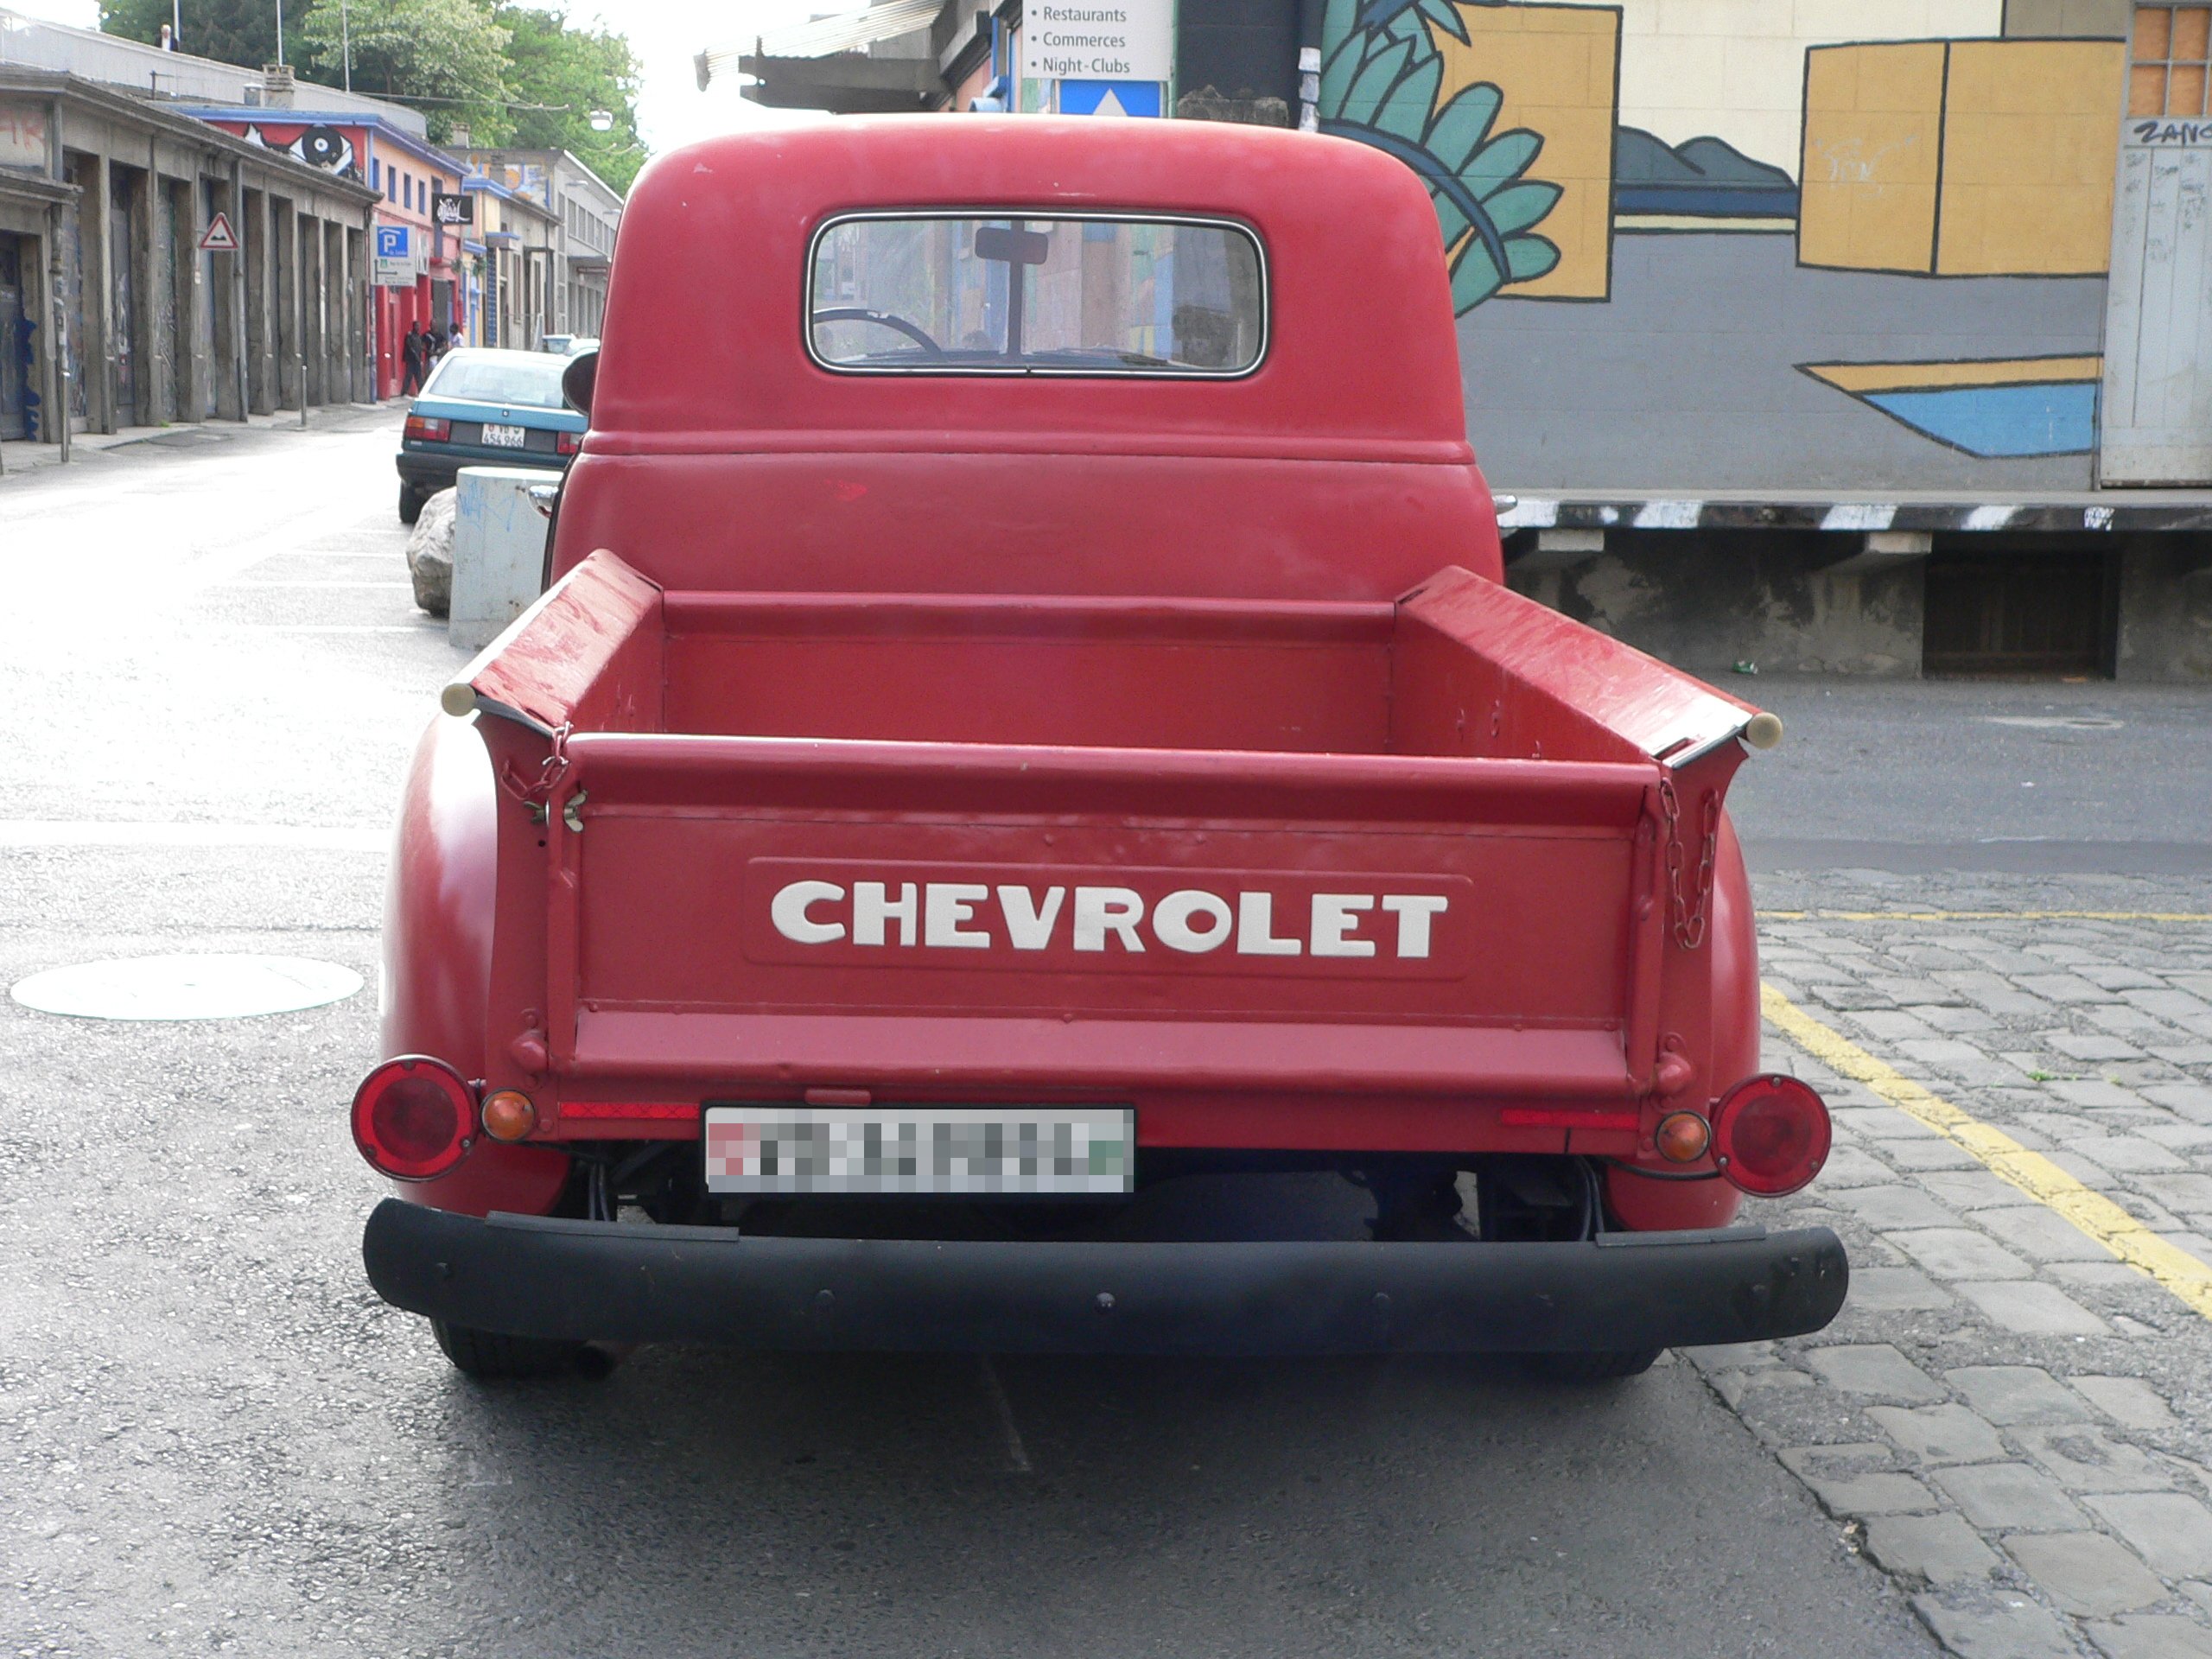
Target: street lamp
[{"x": 601, "y": 120}]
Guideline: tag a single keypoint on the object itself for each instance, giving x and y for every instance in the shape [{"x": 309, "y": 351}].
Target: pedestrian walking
[{"x": 413, "y": 354}]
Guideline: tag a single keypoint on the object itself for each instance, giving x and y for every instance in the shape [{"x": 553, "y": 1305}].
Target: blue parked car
[{"x": 485, "y": 407}]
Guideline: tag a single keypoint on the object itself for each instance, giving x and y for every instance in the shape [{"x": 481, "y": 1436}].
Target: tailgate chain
[
  {"x": 536, "y": 795},
  {"x": 1689, "y": 919}
]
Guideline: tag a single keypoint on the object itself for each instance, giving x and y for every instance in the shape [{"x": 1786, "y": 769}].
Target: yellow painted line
[
  {"x": 2033, "y": 1173},
  {"x": 1985, "y": 916}
]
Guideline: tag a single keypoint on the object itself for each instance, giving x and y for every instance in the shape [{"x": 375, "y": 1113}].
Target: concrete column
[
  {"x": 157, "y": 298},
  {"x": 97, "y": 254},
  {"x": 2165, "y": 610},
  {"x": 359, "y": 329},
  {"x": 54, "y": 413},
  {"x": 314, "y": 309},
  {"x": 150, "y": 387},
  {"x": 260, "y": 345},
  {"x": 285, "y": 290},
  {"x": 227, "y": 309},
  {"x": 198, "y": 353},
  {"x": 341, "y": 314}
]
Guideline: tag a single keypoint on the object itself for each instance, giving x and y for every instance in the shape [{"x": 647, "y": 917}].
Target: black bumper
[
  {"x": 432, "y": 472},
  {"x": 595, "y": 1281}
]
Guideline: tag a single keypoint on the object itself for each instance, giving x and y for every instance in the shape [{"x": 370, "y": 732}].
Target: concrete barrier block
[{"x": 498, "y": 550}]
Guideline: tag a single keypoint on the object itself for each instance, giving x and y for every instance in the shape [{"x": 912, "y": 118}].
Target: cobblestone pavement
[{"x": 2008, "y": 1417}]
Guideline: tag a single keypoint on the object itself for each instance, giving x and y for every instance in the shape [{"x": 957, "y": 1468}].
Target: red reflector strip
[
  {"x": 629, "y": 1111},
  {"x": 1550, "y": 1117}
]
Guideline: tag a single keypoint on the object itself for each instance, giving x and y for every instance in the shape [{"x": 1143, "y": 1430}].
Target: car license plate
[
  {"x": 503, "y": 437},
  {"x": 1010, "y": 1151}
]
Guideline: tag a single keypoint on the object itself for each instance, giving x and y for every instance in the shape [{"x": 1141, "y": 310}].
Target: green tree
[
  {"x": 557, "y": 77},
  {"x": 231, "y": 31},
  {"x": 447, "y": 55}
]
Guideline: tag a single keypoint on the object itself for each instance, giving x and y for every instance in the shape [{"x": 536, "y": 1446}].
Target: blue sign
[
  {"x": 391, "y": 241},
  {"x": 1111, "y": 97}
]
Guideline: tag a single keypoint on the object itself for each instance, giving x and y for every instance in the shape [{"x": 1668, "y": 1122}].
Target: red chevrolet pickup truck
[{"x": 1027, "y": 737}]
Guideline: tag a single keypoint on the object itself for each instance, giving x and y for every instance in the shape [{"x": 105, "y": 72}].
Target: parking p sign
[{"x": 395, "y": 265}]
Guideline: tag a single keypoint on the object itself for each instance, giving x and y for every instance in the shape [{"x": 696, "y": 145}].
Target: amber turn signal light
[
  {"x": 508, "y": 1115},
  {"x": 1683, "y": 1137}
]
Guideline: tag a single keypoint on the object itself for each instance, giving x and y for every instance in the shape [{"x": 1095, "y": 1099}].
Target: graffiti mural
[
  {"x": 1381, "y": 83},
  {"x": 318, "y": 146},
  {"x": 1689, "y": 254}
]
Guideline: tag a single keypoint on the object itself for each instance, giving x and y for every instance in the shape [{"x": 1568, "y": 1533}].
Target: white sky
[{"x": 666, "y": 34}]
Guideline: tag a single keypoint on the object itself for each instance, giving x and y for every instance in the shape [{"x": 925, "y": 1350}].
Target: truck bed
[{"x": 1233, "y": 862}]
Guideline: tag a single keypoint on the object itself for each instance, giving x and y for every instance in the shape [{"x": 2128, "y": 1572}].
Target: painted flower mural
[{"x": 1380, "y": 77}]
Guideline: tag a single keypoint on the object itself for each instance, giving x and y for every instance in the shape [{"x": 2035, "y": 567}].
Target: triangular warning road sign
[{"x": 219, "y": 238}]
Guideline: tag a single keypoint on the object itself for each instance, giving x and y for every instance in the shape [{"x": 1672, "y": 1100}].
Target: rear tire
[
  {"x": 1592, "y": 1368},
  {"x": 410, "y": 504},
  {"x": 490, "y": 1356}
]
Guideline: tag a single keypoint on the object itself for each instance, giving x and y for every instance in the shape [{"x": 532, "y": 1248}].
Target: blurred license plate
[
  {"x": 503, "y": 437},
  {"x": 1017, "y": 1151}
]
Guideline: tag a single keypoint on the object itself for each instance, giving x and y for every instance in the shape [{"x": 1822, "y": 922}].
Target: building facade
[
  {"x": 417, "y": 266},
  {"x": 586, "y": 213},
  {"x": 512, "y": 267},
  {"x": 153, "y": 270},
  {"x": 1827, "y": 336}
]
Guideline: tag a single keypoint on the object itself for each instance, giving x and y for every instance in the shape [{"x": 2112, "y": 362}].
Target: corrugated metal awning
[{"x": 851, "y": 31}]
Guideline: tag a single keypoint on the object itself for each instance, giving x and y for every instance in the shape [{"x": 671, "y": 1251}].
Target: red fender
[
  {"x": 437, "y": 958},
  {"x": 1645, "y": 1205}
]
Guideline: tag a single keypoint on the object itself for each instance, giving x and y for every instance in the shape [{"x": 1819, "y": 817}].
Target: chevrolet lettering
[
  {"x": 973, "y": 916},
  {"x": 1024, "y": 771}
]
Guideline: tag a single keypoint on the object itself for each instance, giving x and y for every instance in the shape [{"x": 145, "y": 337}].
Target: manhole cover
[{"x": 186, "y": 987}]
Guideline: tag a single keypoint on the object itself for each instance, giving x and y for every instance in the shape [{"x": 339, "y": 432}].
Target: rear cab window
[{"x": 954, "y": 293}]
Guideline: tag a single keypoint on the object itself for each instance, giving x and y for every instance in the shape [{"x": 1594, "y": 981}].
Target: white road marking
[
  {"x": 1017, "y": 1455},
  {"x": 68, "y": 832}
]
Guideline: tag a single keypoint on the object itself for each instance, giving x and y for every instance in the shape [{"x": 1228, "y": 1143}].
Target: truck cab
[{"x": 1025, "y": 723}]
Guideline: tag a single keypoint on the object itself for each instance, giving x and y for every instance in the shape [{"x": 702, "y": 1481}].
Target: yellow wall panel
[
  {"x": 2030, "y": 139},
  {"x": 1872, "y": 137},
  {"x": 1556, "y": 67}
]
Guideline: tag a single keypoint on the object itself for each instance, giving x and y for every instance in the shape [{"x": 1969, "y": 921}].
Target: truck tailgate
[
  {"x": 1102, "y": 919},
  {"x": 1501, "y": 899}
]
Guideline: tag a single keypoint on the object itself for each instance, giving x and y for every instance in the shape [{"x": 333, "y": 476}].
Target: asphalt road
[
  {"x": 216, "y": 1440},
  {"x": 2023, "y": 776}
]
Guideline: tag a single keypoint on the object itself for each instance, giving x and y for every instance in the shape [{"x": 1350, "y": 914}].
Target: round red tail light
[
  {"x": 412, "y": 1118},
  {"x": 1771, "y": 1135}
]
